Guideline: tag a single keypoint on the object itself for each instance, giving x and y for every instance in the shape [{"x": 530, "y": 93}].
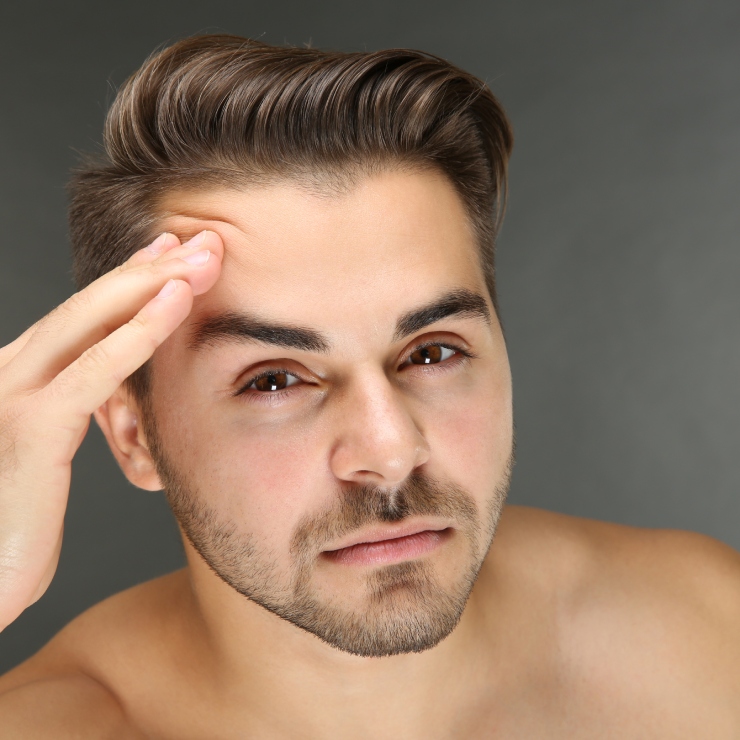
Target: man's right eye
[{"x": 269, "y": 382}]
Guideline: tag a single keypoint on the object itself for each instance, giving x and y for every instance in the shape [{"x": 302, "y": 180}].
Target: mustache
[{"x": 359, "y": 506}]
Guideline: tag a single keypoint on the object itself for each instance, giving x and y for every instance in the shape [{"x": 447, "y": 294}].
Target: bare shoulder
[
  {"x": 59, "y": 707},
  {"x": 700, "y": 571},
  {"x": 78, "y": 684},
  {"x": 647, "y": 617}
]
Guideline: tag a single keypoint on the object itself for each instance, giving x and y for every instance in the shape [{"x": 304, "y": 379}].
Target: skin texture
[{"x": 573, "y": 628}]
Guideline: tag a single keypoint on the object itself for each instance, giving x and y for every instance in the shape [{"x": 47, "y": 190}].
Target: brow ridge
[
  {"x": 234, "y": 326},
  {"x": 460, "y": 302}
]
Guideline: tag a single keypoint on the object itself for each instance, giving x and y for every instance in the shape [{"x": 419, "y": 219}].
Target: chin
[{"x": 404, "y": 609}]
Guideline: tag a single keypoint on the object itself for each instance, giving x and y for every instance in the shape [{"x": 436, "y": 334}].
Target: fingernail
[
  {"x": 196, "y": 241},
  {"x": 199, "y": 258},
  {"x": 169, "y": 288},
  {"x": 158, "y": 245}
]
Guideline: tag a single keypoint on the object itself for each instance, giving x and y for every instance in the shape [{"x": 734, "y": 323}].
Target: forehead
[{"x": 293, "y": 253}]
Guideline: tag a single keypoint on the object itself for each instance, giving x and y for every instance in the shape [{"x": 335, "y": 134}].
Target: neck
[{"x": 282, "y": 677}]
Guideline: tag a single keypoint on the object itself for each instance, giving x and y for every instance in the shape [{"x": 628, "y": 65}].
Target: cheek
[
  {"x": 472, "y": 436},
  {"x": 276, "y": 473},
  {"x": 259, "y": 477},
  {"x": 269, "y": 478}
]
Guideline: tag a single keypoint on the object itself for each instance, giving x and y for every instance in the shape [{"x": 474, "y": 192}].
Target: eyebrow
[{"x": 232, "y": 326}]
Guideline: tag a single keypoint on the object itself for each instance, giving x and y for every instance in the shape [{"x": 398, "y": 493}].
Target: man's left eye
[{"x": 431, "y": 354}]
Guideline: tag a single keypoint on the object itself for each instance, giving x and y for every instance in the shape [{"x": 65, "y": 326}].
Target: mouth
[{"x": 390, "y": 544}]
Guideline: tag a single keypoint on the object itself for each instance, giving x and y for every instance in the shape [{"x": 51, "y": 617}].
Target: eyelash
[{"x": 274, "y": 396}]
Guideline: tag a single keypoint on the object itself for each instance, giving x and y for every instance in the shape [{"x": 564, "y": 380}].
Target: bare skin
[{"x": 573, "y": 628}]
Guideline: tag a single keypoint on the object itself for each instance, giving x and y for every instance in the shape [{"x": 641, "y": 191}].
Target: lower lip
[{"x": 389, "y": 551}]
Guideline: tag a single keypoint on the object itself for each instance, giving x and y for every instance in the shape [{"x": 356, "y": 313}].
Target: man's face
[{"x": 370, "y": 418}]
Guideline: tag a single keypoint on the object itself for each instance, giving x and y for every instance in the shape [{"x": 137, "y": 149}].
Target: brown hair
[{"x": 225, "y": 110}]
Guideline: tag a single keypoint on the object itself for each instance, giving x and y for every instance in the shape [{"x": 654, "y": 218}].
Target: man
[{"x": 308, "y": 360}]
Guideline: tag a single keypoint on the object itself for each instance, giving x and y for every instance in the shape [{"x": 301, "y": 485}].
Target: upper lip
[{"x": 389, "y": 532}]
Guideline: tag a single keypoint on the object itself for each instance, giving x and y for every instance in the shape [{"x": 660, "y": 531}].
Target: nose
[{"x": 377, "y": 441}]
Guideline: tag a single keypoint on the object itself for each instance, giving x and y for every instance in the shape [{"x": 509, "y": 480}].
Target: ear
[{"x": 118, "y": 418}]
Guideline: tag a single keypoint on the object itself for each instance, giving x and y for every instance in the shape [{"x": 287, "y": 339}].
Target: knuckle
[
  {"x": 138, "y": 324},
  {"x": 141, "y": 328},
  {"x": 15, "y": 414},
  {"x": 11, "y": 421},
  {"x": 168, "y": 268},
  {"x": 82, "y": 301},
  {"x": 127, "y": 266},
  {"x": 53, "y": 317},
  {"x": 8, "y": 424},
  {"x": 65, "y": 313},
  {"x": 95, "y": 360}
]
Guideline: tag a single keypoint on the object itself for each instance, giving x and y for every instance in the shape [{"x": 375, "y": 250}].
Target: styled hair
[{"x": 222, "y": 110}]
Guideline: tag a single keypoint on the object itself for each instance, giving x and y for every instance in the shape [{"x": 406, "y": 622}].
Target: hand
[{"x": 57, "y": 373}]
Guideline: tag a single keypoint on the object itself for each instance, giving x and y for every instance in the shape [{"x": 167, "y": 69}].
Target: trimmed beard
[{"x": 407, "y": 609}]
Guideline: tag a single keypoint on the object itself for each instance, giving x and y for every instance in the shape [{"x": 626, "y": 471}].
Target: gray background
[{"x": 618, "y": 262}]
